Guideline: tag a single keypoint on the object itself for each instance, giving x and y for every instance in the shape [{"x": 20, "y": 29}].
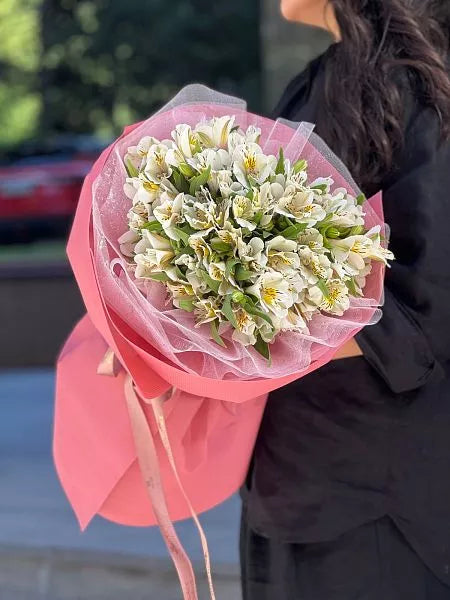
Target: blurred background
[{"x": 73, "y": 73}]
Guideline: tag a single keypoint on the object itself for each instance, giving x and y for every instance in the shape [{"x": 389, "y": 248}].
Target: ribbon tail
[
  {"x": 158, "y": 410},
  {"x": 149, "y": 464}
]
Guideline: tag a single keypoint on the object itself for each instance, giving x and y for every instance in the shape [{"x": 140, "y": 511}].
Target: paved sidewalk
[{"x": 44, "y": 556}]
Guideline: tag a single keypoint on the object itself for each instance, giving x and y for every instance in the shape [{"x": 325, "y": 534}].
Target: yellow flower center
[
  {"x": 149, "y": 186},
  {"x": 317, "y": 269},
  {"x": 269, "y": 295},
  {"x": 250, "y": 163},
  {"x": 242, "y": 319}
]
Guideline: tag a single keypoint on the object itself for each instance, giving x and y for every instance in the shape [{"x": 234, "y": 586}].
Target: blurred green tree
[{"x": 106, "y": 63}]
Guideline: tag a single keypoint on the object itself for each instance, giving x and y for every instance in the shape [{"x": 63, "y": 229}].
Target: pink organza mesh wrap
[{"x": 144, "y": 307}]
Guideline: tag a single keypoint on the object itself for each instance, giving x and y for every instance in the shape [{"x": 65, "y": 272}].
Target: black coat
[{"x": 369, "y": 436}]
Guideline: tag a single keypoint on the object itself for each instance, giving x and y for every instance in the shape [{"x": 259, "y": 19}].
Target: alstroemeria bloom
[
  {"x": 343, "y": 210},
  {"x": 300, "y": 207},
  {"x": 180, "y": 291},
  {"x": 245, "y": 333},
  {"x": 252, "y": 252},
  {"x": 313, "y": 239},
  {"x": 206, "y": 310},
  {"x": 199, "y": 215},
  {"x": 215, "y": 131},
  {"x": 282, "y": 254},
  {"x": 156, "y": 168},
  {"x": 314, "y": 266},
  {"x": 249, "y": 161},
  {"x": 243, "y": 212},
  {"x": 337, "y": 301},
  {"x": 169, "y": 214},
  {"x": 356, "y": 249},
  {"x": 272, "y": 290},
  {"x": 128, "y": 242},
  {"x": 183, "y": 147}
]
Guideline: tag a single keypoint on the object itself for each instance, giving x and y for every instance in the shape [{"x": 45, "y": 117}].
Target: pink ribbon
[{"x": 150, "y": 469}]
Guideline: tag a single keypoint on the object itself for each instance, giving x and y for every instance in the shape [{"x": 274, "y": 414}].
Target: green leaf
[
  {"x": 132, "y": 171},
  {"x": 159, "y": 276},
  {"x": 219, "y": 246},
  {"x": 229, "y": 266},
  {"x": 252, "y": 310},
  {"x": 243, "y": 274},
  {"x": 360, "y": 199},
  {"x": 184, "y": 237},
  {"x": 357, "y": 230},
  {"x": 322, "y": 285},
  {"x": 179, "y": 273},
  {"x": 187, "y": 305},
  {"x": 320, "y": 186},
  {"x": 210, "y": 282},
  {"x": 266, "y": 234},
  {"x": 199, "y": 180},
  {"x": 299, "y": 165},
  {"x": 180, "y": 182},
  {"x": 279, "y": 169},
  {"x": 153, "y": 226},
  {"x": 215, "y": 333},
  {"x": 351, "y": 285},
  {"x": 263, "y": 348},
  {"x": 291, "y": 232},
  {"x": 186, "y": 170},
  {"x": 227, "y": 311},
  {"x": 332, "y": 233}
]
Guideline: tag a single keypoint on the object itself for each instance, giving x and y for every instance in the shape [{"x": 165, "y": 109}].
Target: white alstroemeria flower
[
  {"x": 293, "y": 321},
  {"x": 184, "y": 146},
  {"x": 152, "y": 240},
  {"x": 313, "y": 266},
  {"x": 356, "y": 249},
  {"x": 313, "y": 239},
  {"x": 245, "y": 333},
  {"x": 229, "y": 235},
  {"x": 152, "y": 260},
  {"x": 169, "y": 214},
  {"x": 272, "y": 290},
  {"x": 156, "y": 168},
  {"x": 337, "y": 301},
  {"x": 227, "y": 186},
  {"x": 131, "y": 186},
  {"x": 249, "y": 161},
  {"x": 180, "y": 290},
  {"x": 252, "y": 134},
  {"x": 318, "y": 184},
  {"x": 206, "y": 310},
  {"x": 214, "y": 133},
  {"x": 128, "y": 242},
  {"x": 201, "y": 247},
  {"x": 243, "y": 212},
  {"x": 342, "y": 209},
  {"x": 282, "y": 254},
  {"x": 198, "y": 284},
  {"x": 252, "y": 252},
  {"x": 144, "y": 145},
  {"x": 216, "y": 159},
  {"x": 147, "y": 191},
  {"x": 137, "y": 216},
  {"x": 360, "y": 279},
  {"x": 199, "y": 215},
  {"x": 134, "y": 158},
  {"x": 297, "y": 284},
  {"x": 235, "y": 139},
  {"x": 217, "y": 271},
  {"x": 300, "y": 207}
]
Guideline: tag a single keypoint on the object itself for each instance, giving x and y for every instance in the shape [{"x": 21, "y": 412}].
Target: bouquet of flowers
[
  {"x": 220, "y": 255},
  {"x": 242, "y": 238}
]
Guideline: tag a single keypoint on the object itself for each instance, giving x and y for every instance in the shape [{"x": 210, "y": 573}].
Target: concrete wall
[
  {"x": 286, "y": 49},
  {"x": 38, "y": 308}
]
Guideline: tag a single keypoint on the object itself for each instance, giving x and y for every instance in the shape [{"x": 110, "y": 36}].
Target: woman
[{"x": 348, "y": 495}]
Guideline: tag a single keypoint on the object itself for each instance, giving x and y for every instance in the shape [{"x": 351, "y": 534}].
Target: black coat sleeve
[{"x": 411, "y": 344}]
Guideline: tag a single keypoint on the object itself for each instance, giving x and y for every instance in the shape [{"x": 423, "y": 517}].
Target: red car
[{"x": 39, "y": 194}]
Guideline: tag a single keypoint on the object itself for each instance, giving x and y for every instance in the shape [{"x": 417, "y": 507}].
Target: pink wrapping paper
[{"x": 212, "y": 423}]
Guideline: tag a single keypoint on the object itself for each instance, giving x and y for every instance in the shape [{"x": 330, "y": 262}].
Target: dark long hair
[{"x": 385, "y": 44}]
